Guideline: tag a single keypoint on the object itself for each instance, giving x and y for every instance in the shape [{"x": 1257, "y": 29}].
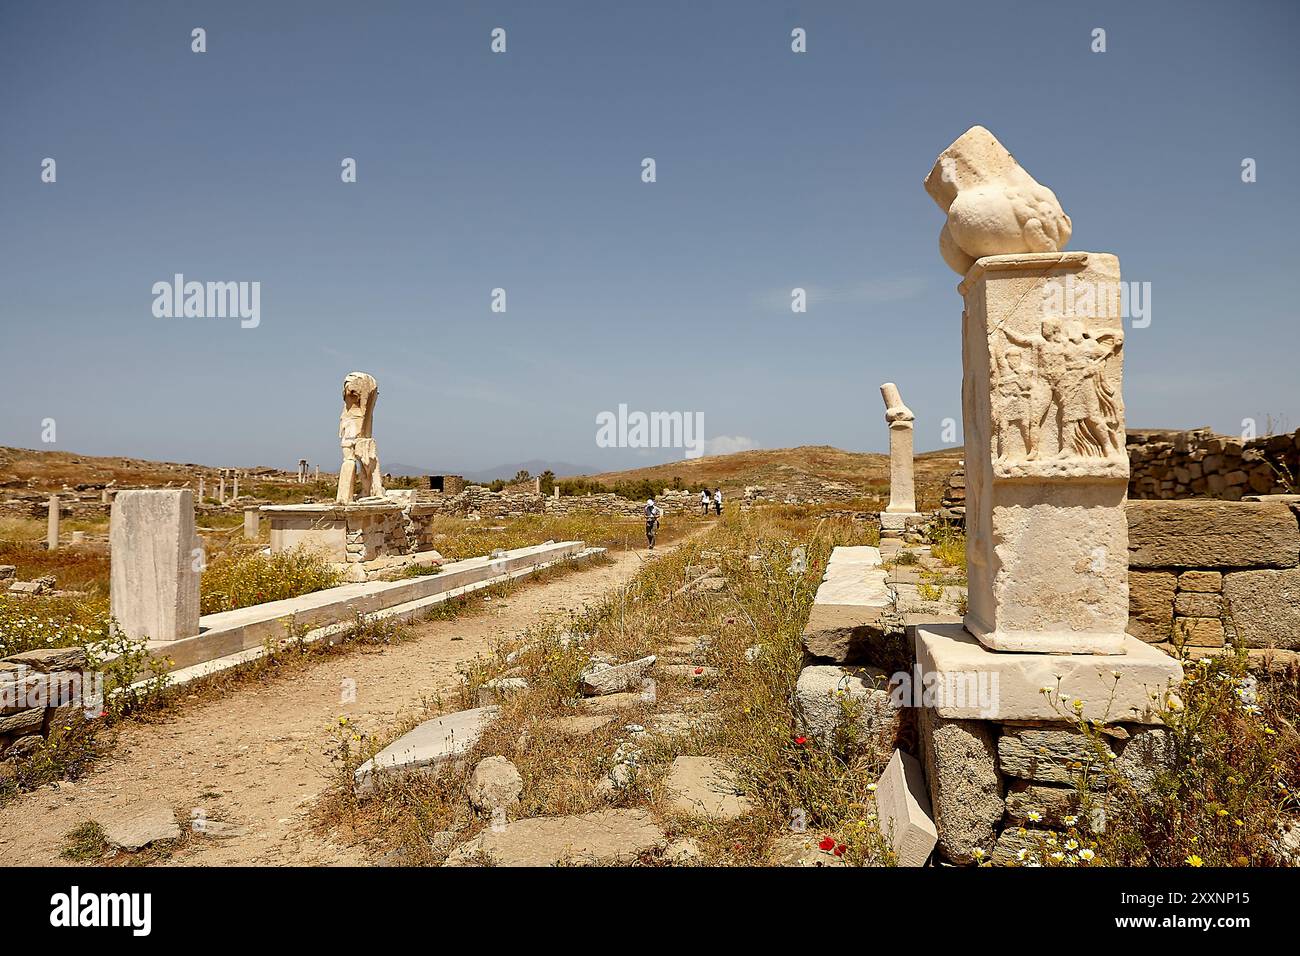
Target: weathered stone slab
[
  {"x": 903, "y": 809},
  {"x": 603, "y": 838},
  {"x": 703, "y": 786},
  {"x": 1111, "y": 688},
  {"x": 825, "y": 695},
  {"x": 22, "y": 720},
  {"x": 138, "y": 828},
  {"x": 47, "y": 659},
  {"x": 1264, "y": 607},
  {"x": 962, "y": 775},
  {"x": 846, "y": 623},
  {"x": 616, "y": 678},
  {"x": 156, "y": 565},
  {"x": 431, "y": 742},
  {"x": 1206, "y": 533}
]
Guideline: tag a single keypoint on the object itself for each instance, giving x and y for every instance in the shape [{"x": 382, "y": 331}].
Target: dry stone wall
[
  {"x": 1200, "y": 464},
  {"x": 39, "y": 690},
  {"x": 1205, "y": 573}
]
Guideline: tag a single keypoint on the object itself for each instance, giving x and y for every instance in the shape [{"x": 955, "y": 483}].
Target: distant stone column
[
  {"x": 236, "y": 491},
  {"x": 555, "y": 490},
  {"x": 103, "y": 496},
  {"x": 902, "y": 483},
  {"x": 302, "y": 471},
  {"x": 200, "y": 498},
  {"x": 251, "y": 519},
  {"x": 537, "y": 486},
  {"x": 155, "y": 562},
  {"x": 52, "y": 530},
  {"x": 221, "y": 490},
  {"x": 318, "y": 472}
]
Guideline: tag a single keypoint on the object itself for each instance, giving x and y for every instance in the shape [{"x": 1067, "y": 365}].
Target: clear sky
[{"x": 522, "y": 171}]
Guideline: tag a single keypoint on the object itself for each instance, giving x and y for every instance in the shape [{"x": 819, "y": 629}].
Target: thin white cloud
[{"x": 727, "y": 444}]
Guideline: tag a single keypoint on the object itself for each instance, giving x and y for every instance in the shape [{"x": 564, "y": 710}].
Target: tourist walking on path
[
  {"x": 717, "y": 502},
  {"x": 704, "y": 502},
  {"x": 652, "y": 515}
]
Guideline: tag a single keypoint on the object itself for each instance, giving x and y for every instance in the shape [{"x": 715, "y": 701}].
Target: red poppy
[
  {"x": 827, "y": 844},
  {"x": 800, "y": 741},
  {"x": 839, "y": 850},
  {"x": 699, "y": 670}
]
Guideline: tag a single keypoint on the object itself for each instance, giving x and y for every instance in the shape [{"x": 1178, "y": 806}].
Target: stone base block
[
  {"x": 897, "y": 521},
  {"x": 966, "y": 680}
]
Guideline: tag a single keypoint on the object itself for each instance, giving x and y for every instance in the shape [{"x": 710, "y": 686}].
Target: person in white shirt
[
  {"x": 704, "y": 502},
  {"x": 717, "y": 501},
  {"x": 652, "y": 515}
]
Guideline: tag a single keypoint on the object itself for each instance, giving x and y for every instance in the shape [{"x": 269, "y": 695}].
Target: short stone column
[
  {"x": 52, "y": 528},
  {"x": 154, "y": 590},
  {"x": 902, "y": 484},
  {"x": 235, "y": 493},
  {"x": 252, "y": 521},
  {"x": 199, "y": 499},
  {"x": 221, "y": 489}
]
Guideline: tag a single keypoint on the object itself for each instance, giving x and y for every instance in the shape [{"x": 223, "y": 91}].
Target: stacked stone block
[
  {"x": 1198, "y": 463},
  {"x": 40, "y": 690},
  {"x": 1204, "y": 573}
]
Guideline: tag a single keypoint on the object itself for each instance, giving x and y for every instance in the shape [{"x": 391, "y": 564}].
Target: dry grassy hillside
[{"x": 772, "y": 467}]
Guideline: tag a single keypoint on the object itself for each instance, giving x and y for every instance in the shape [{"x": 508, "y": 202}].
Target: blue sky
[{"x": 522, "y": 171}]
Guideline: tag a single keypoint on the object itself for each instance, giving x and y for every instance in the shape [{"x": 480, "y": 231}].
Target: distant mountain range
[{"x": 534, "y": 467}]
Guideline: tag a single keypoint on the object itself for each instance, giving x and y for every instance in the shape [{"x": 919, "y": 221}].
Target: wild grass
[
  {"x": 745, "y": 719},
  {"x": 459, "y": 538},
  {"x": 1228, "y": 782},
  {"x": 244, "y": 578}
]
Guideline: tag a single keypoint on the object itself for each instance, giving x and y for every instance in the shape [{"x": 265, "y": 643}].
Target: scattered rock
[
  {"x": 580, "y": 725},
  {"x": 615, "y": 678},
  {"x": 144, "y": 826},
  {"x": 825, "y": 694},
  {"x": 683, "y": 852},
  {"x": 692, "y": 672},
  {"x": 494, "y": 784},
  {"x": 432, "y": 742},
  {"x": 612, "y": 703},
  {"x": 219, "y": 829},
  {"x": 500, "y": 689},
  {"x": 801, "y": 849},
  {"x": 605, "y": 837},
  {"x": 703, "y": 786},
  {"x": 904, "y": 810}
]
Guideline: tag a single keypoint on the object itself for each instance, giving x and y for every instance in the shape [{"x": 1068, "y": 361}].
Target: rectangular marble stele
[
  {"x": 1046, "y": 465},
  {"x": 154, "y": 575},
  {"x": 903, "y": 808},
  {"x": 964, "y": 680}
]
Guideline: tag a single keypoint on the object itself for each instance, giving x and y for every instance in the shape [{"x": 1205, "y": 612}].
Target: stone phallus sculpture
[{"x": 994, "y": 207}]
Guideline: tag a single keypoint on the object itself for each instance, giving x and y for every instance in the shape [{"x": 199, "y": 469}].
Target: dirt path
[{"x": 259, "y": 756}]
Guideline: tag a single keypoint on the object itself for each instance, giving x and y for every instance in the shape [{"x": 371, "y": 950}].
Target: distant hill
[
  {"x": 773, "y": 467},
  {"x": 534, "y": 467}
]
